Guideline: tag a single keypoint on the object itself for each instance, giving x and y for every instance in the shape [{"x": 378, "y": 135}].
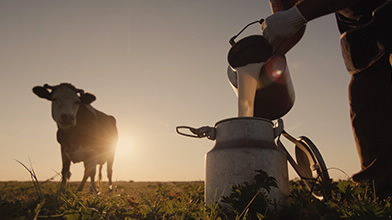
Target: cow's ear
[
  {"x": 87, "y": 98},
  {"x": 42, "y": 93}
]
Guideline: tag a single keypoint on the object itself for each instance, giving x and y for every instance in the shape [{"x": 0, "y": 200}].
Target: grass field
[
  {"x": 184, "y": 200},
  {"x": 128, "y": 200}
]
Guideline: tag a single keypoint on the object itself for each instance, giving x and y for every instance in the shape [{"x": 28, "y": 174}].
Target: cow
[{"x": 84, "y": 133}]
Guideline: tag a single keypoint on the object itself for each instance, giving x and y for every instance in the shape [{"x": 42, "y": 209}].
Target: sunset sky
[{"x": 155, "y": 65}]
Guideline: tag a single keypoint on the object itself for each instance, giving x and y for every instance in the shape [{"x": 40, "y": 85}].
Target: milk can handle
[{"x": 201, "y": 132}]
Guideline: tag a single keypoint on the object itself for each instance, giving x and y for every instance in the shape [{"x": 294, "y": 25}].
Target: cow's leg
[
  {"x": 100, "y": 175},
  {"x": 93, "y": 171},
  {"x": 85, "y": 176},
  {"x": 110, "y": 173},
  {"x": 65, "y": 173},
  {"x": 89, "y": 171}
]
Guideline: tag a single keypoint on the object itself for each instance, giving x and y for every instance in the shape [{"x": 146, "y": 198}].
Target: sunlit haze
[{"x": 155, "y": 65}]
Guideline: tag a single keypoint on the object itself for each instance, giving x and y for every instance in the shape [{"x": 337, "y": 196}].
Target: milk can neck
[{"x": 245, "y": 130}]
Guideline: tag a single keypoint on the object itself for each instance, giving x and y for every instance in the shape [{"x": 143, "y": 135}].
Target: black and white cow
[{"x": 84, "y": 133}]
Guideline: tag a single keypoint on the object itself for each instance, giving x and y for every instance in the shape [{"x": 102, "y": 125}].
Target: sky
[{"x": 155, "y": 65}]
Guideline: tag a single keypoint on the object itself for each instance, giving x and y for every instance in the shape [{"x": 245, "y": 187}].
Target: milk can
[{"x": 243, "y": 145}]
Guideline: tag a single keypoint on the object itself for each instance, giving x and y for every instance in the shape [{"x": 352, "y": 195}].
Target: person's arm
[
  {"x": 283, "y": 25},
  {"x": 281, "y": 5},
  {"x": 312, "y": 9}
]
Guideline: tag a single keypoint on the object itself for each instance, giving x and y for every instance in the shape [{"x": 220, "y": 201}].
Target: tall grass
[{"x": 33, "y": 177}]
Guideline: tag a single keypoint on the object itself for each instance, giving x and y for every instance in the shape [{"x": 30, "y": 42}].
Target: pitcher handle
[{"x": 232, "y": 40}]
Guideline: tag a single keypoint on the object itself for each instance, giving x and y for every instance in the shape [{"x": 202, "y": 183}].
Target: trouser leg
[
  {"x": 371, "y": 110},
  {"x": 371, "y": 117}
]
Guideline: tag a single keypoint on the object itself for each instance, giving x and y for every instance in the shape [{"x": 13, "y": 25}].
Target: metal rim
[
  {"x": 312, "y": 168},
  {"x": 245, "y": 118}
]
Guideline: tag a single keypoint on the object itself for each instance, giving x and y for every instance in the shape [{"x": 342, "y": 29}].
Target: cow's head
[{"x": 66, "y": 100}]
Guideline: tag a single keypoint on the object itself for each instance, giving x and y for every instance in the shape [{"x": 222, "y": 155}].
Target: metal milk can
[{"x": 243, "y": 145}]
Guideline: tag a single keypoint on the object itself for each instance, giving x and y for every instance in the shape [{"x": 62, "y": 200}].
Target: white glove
[{"x": 282, "y": 25}]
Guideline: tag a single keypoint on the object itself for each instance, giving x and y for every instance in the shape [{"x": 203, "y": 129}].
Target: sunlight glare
[
  {"x": 124, "y": 146},
  {"x": 277, "y": 73}
]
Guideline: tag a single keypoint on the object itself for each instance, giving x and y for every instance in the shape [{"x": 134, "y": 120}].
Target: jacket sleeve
[{"x": 280, "y": 5}]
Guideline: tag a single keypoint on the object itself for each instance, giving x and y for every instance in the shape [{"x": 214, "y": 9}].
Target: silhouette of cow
[{"x": 84, "y": 133}]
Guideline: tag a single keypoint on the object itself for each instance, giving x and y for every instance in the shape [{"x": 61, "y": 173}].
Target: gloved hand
[{"x": 282, "y": 25}]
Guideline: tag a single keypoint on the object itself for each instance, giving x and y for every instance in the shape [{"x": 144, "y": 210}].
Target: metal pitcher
[{"x": 273, "y": 96}]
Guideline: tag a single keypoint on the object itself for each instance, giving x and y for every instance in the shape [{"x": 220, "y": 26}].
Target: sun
[{"x": 124, "y": 146}]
